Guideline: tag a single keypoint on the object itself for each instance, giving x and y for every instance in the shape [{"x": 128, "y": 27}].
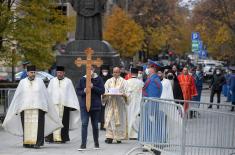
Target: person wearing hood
[
  {"x": 177, "y": 91},
  {"x": 97, "y": 89},
  {"x": 217, "y": 82}
]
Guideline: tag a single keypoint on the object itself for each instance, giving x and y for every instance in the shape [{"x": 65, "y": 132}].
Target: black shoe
[
  {"x": 210, "y": 106},
  {"x": 156, "y": 152},
  {"x": 145, "y": 150},
  {"x": 119, "y": 142},
  {"x": 108, "y": 140},
  {"x": 232, "y": 109},
  {"x": 132, "y": 138},
  {"x": 217, "y": 107},
  {"x": 102, "y": 129},
  {"x": 83, "y": 146},
  {"x": 36, "y": 146},
  {"x": 97, "y": 145},
  {"x": 26, "y": 146}
]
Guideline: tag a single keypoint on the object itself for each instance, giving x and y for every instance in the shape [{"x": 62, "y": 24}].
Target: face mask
[
  {"x": 105, "y": 73},
  {"x": 170, "y": 77},
  {"x": 197, "y": 72},
  {"x": 140, "y": 76},
  {"x": 147, "y": 71},
  {"x": 217, "y": 72},
  {"x": 92, "y": 72}
]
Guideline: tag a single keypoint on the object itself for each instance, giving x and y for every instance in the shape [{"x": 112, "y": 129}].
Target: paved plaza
[{"x": 12, "y": 145}]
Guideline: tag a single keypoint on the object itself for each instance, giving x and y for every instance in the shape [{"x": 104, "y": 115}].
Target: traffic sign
[
  {"x": 195, "y": 36},
  {"x": 195, "y": 46}
]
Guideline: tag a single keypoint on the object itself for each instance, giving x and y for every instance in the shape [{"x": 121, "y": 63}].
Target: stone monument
[{"x": 88, "y": 35}]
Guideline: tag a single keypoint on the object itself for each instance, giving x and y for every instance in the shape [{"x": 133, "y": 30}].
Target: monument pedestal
[{"x": 75, "y": 49}]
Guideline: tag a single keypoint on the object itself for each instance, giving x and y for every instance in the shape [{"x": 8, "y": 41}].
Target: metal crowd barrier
[
  {"x": 164, "y": 126},
  {"x": 6, "y": 96}
]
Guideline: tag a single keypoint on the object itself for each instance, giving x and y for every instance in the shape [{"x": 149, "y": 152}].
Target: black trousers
[
  {"x": 213, "y": 92},
  {"x": 41, "y": 125},
  {"x": 65, "y": 129}
]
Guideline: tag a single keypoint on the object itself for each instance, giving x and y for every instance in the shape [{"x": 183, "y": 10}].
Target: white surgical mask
[
  {"x": 217, "y": 72},
  {"x": 147, "y": 71},
  {"x": 197, "y": 72},
  {"x": 140, "y": 75},
  {"x": 105, "y": 73}
]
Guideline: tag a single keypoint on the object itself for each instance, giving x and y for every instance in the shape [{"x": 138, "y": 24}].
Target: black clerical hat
[
  {"x": 140, "y": 68},
  {"x": 60, "y": 68},
  {"x": 105, "y": 67},
  {"x": 31, "y": 68},
  {"x": 134, "y": 70}
]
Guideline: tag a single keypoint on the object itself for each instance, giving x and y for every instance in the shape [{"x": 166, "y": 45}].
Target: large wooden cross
[{"x": 88, "y": 62}]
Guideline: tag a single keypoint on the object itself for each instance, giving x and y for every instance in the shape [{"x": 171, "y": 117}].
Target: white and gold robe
[
  {"x": 134, "y": 91},
  {"x": 115, "y": 110},
  {"x": 62, "y": 94},
  {"x": 31, "y": 97}
]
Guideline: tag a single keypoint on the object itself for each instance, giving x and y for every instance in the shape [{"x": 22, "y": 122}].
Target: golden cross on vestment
[{"x": 88, "y": 62}]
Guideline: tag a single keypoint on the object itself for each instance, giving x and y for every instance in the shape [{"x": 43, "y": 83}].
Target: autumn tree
[
  {"x": 34, "y": 26},
  {"x": 165, "y": 25},
  {"x": 215, "y": 20},
  {"x": 123, "y": 33}
]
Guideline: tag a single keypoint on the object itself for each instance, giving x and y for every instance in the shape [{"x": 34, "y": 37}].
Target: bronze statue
[{"x": 89, "y": 18}]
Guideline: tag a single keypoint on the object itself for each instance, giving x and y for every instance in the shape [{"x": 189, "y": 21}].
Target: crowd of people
[{"x": 37, "y": 112}]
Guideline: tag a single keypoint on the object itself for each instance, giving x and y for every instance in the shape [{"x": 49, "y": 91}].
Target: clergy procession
[
  {"x": 40, "y": 112},
  {"x": 155, "y": 77}
]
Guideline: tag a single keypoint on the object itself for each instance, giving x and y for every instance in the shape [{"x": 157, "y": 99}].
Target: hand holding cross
[{"x": 88, "y": 62}]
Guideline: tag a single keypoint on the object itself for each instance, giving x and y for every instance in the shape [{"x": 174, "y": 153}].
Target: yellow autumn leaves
[{"x": 123, "y": 33}]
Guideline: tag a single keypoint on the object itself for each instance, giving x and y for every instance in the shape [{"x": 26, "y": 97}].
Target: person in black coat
[
  {"x": 97, "y": 89},
  {"x": 217, "y": 82},
  {"x": 105, "y": 75},
  {"x": 177, "y": 92}
]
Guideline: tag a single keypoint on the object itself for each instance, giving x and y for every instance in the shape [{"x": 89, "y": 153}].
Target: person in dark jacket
[
  {"x": 105, "y": 75},
  {"x": 216, "y": 85},
  {"x": 232, "y": 88},
  {"x": 198, "y": 76},
  {"x": 97, "y": 89}
]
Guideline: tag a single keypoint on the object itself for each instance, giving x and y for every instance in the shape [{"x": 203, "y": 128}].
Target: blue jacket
[
  {"x": 232, "y": 86},
  {"x": 23, "y": 75},
  {"x": 198, "y": 80},
  {"x": 96, "y": 92},
  {"x": 152, "y": 87}
]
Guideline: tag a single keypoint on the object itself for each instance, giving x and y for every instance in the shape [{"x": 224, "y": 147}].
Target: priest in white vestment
[
  {"x": 64, "y": 98},
  {"x": 134, "y": 91},
  {"x": 115, "y": 110},
  {"x": 31, "y": 112}
]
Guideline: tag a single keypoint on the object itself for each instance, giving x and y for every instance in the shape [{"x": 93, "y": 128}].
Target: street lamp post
[
  {"x": 127, "y": 5},
  {"x": 13, "y": 61}
]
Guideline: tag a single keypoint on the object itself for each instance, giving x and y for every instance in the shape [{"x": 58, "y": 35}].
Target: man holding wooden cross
[{"x": 90, "y": 89}]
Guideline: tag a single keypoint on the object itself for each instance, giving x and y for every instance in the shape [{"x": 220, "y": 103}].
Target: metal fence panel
[{"x": 200, "y": 131}]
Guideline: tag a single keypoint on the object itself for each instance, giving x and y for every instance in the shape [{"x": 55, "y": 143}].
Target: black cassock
[
  {"x": 40, "y": 134},
  {"x": 65, "y": 129}
]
